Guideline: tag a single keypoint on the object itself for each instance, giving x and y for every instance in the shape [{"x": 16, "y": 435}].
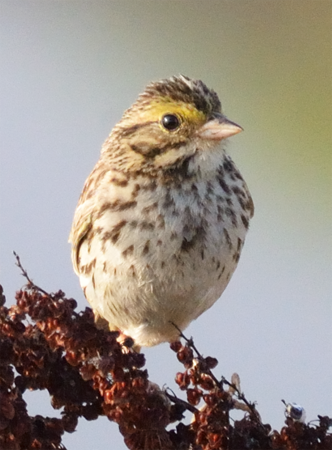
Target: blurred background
[{"x": 70, "y": 69}]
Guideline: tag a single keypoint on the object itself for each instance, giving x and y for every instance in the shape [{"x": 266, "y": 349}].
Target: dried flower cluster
[{"x": 88, "y": 373}]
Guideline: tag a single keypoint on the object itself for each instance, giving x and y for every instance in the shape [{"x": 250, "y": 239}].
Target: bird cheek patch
[
  {"x": 171, "y": 157},
  {"x": 166, "y": 159}
]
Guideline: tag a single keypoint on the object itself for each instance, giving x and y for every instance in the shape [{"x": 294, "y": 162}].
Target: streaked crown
[{"x": 186, "y": 90}]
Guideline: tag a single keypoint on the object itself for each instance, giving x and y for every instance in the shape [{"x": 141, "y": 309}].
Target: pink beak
[{"x": 219, "y": 128}]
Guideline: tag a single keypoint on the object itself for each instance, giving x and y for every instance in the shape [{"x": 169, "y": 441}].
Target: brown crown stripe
[{"x": 198, "y": 94}]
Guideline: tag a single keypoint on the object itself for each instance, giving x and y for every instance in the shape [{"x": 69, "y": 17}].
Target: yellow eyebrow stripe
[{"x": 158, "y": 108}]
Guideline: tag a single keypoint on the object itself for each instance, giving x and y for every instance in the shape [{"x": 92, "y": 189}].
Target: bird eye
[{"x": 170, "y": 121}]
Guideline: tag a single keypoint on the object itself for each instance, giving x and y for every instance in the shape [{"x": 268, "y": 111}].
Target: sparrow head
[{"x": 172, "y": 120}]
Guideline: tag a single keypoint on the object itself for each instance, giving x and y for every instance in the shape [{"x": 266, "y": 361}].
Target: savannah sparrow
[{"x": 162, "y": 218}]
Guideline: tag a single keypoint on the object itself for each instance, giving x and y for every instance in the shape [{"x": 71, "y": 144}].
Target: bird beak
[{"x": 218, "y": 128}]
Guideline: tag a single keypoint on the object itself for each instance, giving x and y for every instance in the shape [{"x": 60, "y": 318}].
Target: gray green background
[{"x": 68, "y": 71}]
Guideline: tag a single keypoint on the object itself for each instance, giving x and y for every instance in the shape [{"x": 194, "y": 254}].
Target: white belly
[{"x": 154, "y": 268}]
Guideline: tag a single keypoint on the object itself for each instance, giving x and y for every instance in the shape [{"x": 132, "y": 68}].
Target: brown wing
[{"x": 82, "y": 224}]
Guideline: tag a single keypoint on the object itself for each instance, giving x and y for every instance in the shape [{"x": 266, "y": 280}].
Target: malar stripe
[
  {"x": 156, "y": 151},
  {"x": 179, "y": 169},
  {"x": 172, "y": 146}
]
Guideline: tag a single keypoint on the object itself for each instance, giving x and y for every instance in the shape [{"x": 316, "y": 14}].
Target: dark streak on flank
[
  {"x": 132, "y": 270},
  {"x": 115, "y": 233},
  {"x": 224, "y": 186},
  {"x": 228, "y": 166},
  {"x": 151, "y": 186},
  {"x": 237, "y": 191},
  {"x": 86, "y": 269},
  {"x": 169, "y": 201},
  {"x": 222, "y": 271},
  {"x": 236, "y": 257},
  {"x": 228, "y": 239},
  {"x": 230, "y": 213},
  {"x": 133, "y": 224},
  {"x": 198, "y": 237},
  {"x": 239, "y": 244},
  {"x": 149, "y": 226},
  {"x": 136, "y": 190},
  {"x": 160, "y": 221},
  {"x": 150, "y": 208},
  {"x": 115, "y": 206},
  {"x": 242, "y": 202},
  {"x": 146, "y": 248},
  {"x": 128, "y": 251},
  {"x": 245, "y": 221}
]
